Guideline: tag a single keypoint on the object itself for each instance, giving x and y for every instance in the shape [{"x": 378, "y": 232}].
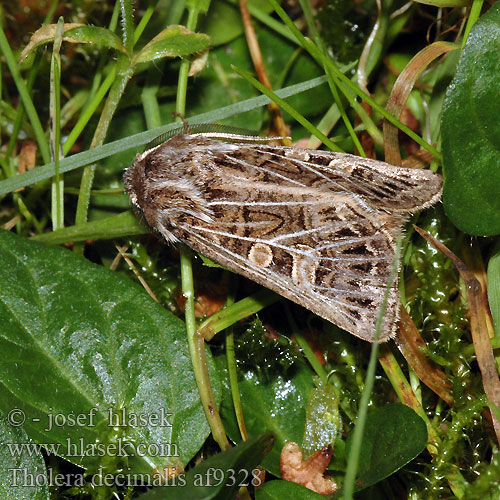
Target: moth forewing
[{"x": 317, "y": 227}]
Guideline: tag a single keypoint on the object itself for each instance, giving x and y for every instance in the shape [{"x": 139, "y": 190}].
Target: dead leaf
[
  {"x": 199, "y": 62},
  {"x": 45, "y": 33},
  {"x": 27, "y": 156},
  {"x": 308, "y": 473},
  {"x": 210, "y": 298}
]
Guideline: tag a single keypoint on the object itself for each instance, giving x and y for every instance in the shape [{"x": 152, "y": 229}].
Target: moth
[{"x": 319, "y": 228}]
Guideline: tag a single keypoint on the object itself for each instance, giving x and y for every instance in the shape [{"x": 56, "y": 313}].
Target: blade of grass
[
  {"x": 89, "y": 111},
  {"x": 354, "y": 454},
  {"x": 118, "y": 226},
  {"x": 20, "y": 108},
  {"x": 231, "y": 363},
  {"x": 306, "y": 348},
  {"x": 55, "y": 128},
  {"x": 196, "y": 341},
  {"x": 196, "y": 344},
  {"x": 195, "y": 8},
  {"x": 237, "y": 311},
  {"x": 289, "y": 109},
  {"x": 332, "y": 80},
  {"x": 269, "y": 21},
  {"x": 137, "y": 140},
  {"x": 474, "y": 14},
  {"x": 43, "y": 144},
  {"x": 124, "y": 73},
  {"x": 98, "y": 90},
  {"x": 347, "y": 84},
  {"x": 29, "y": 85},
  {"x": 145, "y": 18},
  {"x": 278, "y": 127}
]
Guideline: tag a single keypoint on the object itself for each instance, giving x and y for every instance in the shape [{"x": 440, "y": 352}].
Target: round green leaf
[
  {"x": 20, "y": 466},
  {"x": 471, "y": 132},
  {"x": 220, "y": 476},
  {"x": 494, "y": 287},
  {"x": 173, "y": 41},
  {"x": 73, "y": 33},
  {"x": 277, "y": 405},
  {"x": 277, "y": 490},
  {"x": 393, "y": 436},
  {"x": 81, "y": 342},
  {"x": 95, "y": 35}
]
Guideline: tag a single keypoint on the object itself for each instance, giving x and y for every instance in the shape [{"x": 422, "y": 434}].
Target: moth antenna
[
  {"x": 231, "y": 137},
  {"x": 175, "y": 114}
]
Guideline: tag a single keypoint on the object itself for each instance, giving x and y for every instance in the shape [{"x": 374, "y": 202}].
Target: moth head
[
  {"x": 133, "y": 182},
  {"x": 165, "y": 193}
]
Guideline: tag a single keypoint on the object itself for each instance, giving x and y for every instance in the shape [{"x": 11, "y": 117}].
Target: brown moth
[{"x": 317, "y": 227}]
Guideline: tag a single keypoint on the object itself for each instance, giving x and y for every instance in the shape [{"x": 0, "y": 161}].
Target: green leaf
[
  {"x": 18, "y": 469},
  {"x": 78, "y": 340},
  {"x": 277, "y": 490},
  {"x": 494, "y": 288},
  {"x": 216, "y": 85},
  {"x": 471, "y": 132},
  {"x": 223, "y": 21},
  {"x": 278, "y": 405},
  {"x": 124, "y": 224},
  {"x": 95, "y": 35},
  {"x": 210, "y": 263},
  {"x": 199, "y": 5},
  {"x": 74, "y": 33},
  {"x": 393, "y": 436},
  {"x": 220, "y": 476},
  {"x": 173, "y": 41}
]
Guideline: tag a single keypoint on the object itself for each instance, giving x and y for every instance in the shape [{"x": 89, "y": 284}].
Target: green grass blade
[{"x": 138, "y": 140}]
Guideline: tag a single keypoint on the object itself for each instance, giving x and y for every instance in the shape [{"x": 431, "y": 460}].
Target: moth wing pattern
[
  {"x": 318, "y": 228},
  {"x": 329, "y": 272}
]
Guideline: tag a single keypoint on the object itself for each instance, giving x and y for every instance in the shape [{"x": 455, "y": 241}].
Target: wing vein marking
[
  {"x": 299, "y": 233},
  {"x": 190, "y": 229},
  {"x": 327, "y": 301},
  {"x": 262, "y": 169},
  {"x": 291, "y": 250},
  {"x": 258, "y": 271},
  {"x": 245, "y": 224},
  {"x": 262, "y": 203},
  {"x": 346, "y": 242},
  {"x": 310, "y": 166}
]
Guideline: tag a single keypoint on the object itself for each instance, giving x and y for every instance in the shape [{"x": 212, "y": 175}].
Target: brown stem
[
  {"x": 253, "y": 47},
  {"x": 479, "y": 330},
  {"x": 412, "y": 346}
]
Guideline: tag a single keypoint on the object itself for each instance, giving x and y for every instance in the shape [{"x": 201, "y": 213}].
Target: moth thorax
[{"x": 181, "y": 197}]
